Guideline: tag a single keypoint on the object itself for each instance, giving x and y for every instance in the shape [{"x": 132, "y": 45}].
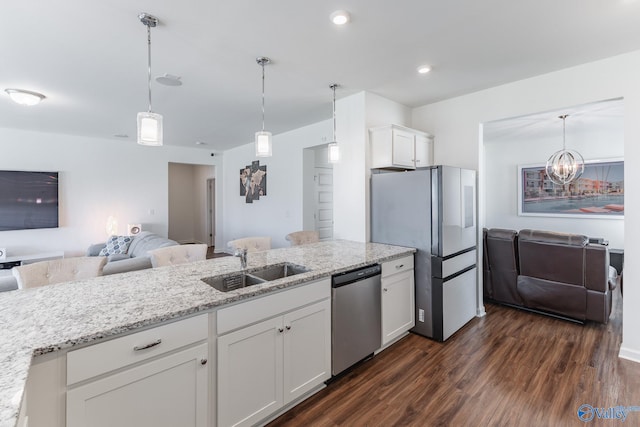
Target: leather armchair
[{"x": 502, "y": 256}]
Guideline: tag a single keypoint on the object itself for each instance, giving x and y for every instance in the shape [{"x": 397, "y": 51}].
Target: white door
[
  {"x": 250, "y": 373},
  {"x": 323, "y": 215},
  {"x": 307, "y": 349},
  {"x": 167, "y": 392},
  {"x": 398, "y": 307}
]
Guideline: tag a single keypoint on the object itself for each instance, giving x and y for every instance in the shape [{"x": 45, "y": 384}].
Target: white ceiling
[{"x": 89, "y": 57}]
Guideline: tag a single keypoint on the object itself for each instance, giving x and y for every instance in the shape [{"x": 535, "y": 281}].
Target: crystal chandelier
[{"x": 564, "y": 166}]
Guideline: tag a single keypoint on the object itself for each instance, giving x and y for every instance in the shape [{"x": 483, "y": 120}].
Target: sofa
[
  {"x": 555, "y": 273},
  {"x": 137, "y": 255}
]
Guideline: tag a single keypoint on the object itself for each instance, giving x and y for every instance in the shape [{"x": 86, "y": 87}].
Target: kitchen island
[{"x": 39, "y": 321}]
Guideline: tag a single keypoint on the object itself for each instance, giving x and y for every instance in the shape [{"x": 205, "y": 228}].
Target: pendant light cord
[
  {"x": 262, "y": 95},
  {"x": 564, "y": 123},
  {"x": 334, "y": 111},
  {"x": 149, "y": 62}
]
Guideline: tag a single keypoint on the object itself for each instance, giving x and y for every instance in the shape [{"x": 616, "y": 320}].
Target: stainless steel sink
[
  {"x": 278, "y": 271},
  {"x": 232, "y": 282},
  {"x": 256, "y": 276}
]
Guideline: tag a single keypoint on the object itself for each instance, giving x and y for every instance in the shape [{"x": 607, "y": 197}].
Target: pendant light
[
  {"x": 333, "y": 150},
  {"x": 263, "y": 137},
  {"x": 149, "y": 123},
  {"x": 564, "y": 166}
]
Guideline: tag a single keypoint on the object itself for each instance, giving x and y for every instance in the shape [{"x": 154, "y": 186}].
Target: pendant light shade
[
  {"x": 150, "y": 130},
  {"x": 333, "y": 150},
  {"x": 264, "y": 140},
  {"x": 564, "y": 166}
]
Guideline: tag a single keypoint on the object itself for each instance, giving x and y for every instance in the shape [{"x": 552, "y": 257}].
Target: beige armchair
[
  {"x": 251, "y": 244},
  {"x": 58, "y": 271},
  {"x": 302, "y": 237},
  {"x": 181, "y": 254}
]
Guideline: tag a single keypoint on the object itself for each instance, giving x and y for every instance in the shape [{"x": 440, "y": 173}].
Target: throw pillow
[{"x": 116, "y": 245}]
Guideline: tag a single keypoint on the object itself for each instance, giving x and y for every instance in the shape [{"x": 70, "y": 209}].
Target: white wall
[
  {"x": 354, "y": 116},
  {"x": 601, "y": 140},
  {"x": 456, "y": 126},
  {"x": 98, "y": 178},
  {"x": 280, "y": 211}
]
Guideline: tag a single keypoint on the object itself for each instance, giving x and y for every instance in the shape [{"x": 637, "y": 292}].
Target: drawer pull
[
  {"x": 398, "y": 267},
  {"x": 144, "y": 347}
]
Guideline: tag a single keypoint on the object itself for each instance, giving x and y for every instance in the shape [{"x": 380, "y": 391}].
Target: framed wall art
[
  {"x": 253, "y": 181},
  {"x": 598, "y": 193}
]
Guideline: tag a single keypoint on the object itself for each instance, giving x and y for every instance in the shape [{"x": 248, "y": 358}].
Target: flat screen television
[{"x": 28, "y": 200}]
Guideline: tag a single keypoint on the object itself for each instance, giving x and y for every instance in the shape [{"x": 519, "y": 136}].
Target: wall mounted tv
[{"x": 28, "y": 200}]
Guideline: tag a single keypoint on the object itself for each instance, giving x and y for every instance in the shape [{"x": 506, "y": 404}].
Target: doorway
[{"x": 191, "y": 198}]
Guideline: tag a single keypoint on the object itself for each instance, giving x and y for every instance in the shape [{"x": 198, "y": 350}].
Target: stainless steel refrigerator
[{"x": 434, "y": 210}]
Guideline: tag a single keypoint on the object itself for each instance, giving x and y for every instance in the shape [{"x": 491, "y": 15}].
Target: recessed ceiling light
[
  {"x": 25, "y": 97},
  {"x": 424, "y": 69},
  {"x": 121, "y": 135},
  {"x": 201, "y": 143},
  {"x": 169, "y": 80},
  {"x": 340, "y": 17}
]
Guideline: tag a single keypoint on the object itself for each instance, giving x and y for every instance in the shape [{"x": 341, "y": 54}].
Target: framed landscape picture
[{"x": 598, "y": 193}]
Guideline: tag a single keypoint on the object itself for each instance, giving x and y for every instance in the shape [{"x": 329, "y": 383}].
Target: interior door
[{"x": 323, "y": 214}]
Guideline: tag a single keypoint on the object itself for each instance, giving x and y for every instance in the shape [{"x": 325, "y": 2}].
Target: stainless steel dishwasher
[{"x": 356, "y": 316}]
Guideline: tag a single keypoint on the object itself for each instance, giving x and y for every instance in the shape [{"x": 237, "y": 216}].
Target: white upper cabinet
[{"x": 399, "y": 147}]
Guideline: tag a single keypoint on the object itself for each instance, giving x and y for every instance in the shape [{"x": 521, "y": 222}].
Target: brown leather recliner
[
  {"x": 562, "y": 273},
  {"x": 502, "y": 257}
]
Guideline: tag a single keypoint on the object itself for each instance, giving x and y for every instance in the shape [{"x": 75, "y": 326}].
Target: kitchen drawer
[
  {"x": 397, "y": 266},
  {"x": 107, "y": 356}
]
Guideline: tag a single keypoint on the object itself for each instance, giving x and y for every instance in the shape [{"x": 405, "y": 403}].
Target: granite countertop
[{"x": 47, "y": 319}]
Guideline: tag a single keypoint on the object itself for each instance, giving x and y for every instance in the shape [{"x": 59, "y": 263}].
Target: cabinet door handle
[
  {"x": 203, "y": 361},
  {"x": 280, "y": 330},
  {"x": 398, "y": 267},
  {"x": 288, "y": 327},
  {"x": 144, "y": 347},
  {"x": 385, "y": 289}
]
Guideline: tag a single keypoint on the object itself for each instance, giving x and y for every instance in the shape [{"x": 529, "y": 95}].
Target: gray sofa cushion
[{"x": 147, "y": 241}]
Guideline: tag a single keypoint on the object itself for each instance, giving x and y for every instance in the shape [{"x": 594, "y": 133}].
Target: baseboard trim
[
  {"x": 480, "y": 311},
  {"x": 629, "y": 354}
]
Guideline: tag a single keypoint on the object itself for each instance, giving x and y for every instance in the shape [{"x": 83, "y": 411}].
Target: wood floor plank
[{"x": 509, "y": 368}]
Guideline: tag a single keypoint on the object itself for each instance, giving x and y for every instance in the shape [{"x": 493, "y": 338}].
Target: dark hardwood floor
[
  {"x": 212, "y": 254},
  {"x": 509, "y": 368}
]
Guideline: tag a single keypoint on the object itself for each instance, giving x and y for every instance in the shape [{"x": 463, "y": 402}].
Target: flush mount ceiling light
[
  {"x": 340, "y": 17},
  {"x": 424, "y": 69},
  {"x": 263, "y": 137},
  {"x": 169, "y": 80},
  {"x": 564, "y": 165},
  {"x": 333, "y": 151},
  {"x": 25, "y": 97},
  {"x": 149, "y": 123}
]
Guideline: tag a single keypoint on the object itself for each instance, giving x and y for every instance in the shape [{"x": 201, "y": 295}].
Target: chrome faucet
[{"x": 242, "y": 254}]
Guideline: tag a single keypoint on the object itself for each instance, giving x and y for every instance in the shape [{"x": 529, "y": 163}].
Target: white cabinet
[
  {"x": 398, "y": 298},
  {"x": 269, "y": 364},
  {"x": 399, "y": 147},
  {"x": 158, "y": 377}
]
